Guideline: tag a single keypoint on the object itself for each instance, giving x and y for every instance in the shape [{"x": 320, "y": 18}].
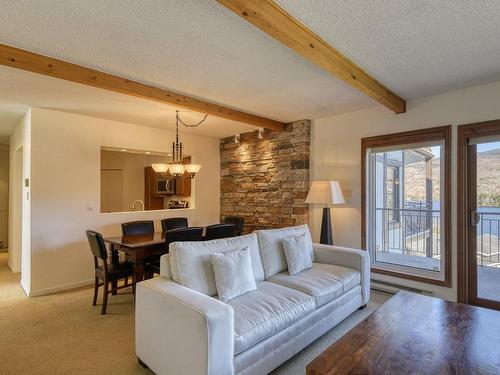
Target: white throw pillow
[
  {"x": 233, "y": 273},
  {"x": 297, "y": 251},
  {"x": 190, "y": 261},
  {"x": 271, "y": 247}
]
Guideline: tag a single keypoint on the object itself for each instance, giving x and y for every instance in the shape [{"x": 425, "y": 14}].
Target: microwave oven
[{"x": 165, "y": 185}]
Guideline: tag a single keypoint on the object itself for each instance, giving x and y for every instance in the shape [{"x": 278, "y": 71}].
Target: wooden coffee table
[{"x": 415, "y": 334}]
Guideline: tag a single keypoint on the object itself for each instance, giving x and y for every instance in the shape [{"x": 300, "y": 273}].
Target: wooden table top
[
  {"x": 133, "y": 242},
  {"x": 416, "y": 334}
]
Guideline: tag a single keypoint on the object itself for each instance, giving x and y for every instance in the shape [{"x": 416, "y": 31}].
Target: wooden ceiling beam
[
  {"x": 279, "y": 24},
  {"x": 33, "y": 62}
]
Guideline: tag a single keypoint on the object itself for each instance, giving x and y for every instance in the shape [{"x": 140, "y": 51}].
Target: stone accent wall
[{"x": 266, "y": 180}]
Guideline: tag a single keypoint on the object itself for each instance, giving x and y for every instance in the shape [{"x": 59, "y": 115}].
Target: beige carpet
[{"x": 64, "y": 334}]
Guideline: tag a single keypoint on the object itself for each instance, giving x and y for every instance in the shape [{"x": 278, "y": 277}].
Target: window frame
[{"x": 441, "y": 133}]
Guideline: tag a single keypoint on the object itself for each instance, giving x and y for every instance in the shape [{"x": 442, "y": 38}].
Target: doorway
[
  {"x": 4, "y": 197},
  {"x": 479, "y": 214}
]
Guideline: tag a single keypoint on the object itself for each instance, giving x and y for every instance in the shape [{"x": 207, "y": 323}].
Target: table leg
[
  {"x": 115, "y": 257},
  {"x": 139, "y": 272}
]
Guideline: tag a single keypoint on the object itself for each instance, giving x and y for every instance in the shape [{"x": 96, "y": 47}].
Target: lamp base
[{"x": 326, "y": 228}]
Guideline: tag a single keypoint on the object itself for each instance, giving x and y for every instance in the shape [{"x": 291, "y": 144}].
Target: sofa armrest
[
  {"x": 352, "y": 258},
  {"x": 181, "y": 331},
  {"x": 165, "y": 266}
]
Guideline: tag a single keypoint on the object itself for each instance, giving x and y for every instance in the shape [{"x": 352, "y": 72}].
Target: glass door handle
[{"x": 474, "y": 217}]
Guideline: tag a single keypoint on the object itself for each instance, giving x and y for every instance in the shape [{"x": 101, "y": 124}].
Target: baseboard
[
  {"x": 62, "y": 288},
  {"x": 391, "y": 288},
  {"x": 12, "y": 269}
]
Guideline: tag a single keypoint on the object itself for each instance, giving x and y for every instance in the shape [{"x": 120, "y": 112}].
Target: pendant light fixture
[{"x": 176, "y": 168}]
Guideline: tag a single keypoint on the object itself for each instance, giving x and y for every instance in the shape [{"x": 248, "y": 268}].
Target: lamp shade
[
  {"x": 325, "y": 192},
  {"x": 176, "y": 169},
  {"x": 160, "y": 168},
  {"x": 193, "y": 168}
]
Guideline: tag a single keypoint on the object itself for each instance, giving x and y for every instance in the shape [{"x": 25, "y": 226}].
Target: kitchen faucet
[{"x": 142, "y": 204}]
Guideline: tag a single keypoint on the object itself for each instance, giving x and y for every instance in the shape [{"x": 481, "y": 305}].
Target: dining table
[{"x": 137, "y": 250}]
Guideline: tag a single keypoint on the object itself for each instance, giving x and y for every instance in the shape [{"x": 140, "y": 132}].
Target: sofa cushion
[
  {"x": 271, "y": 247},
  {"x": 297, "y": 253},
  {"x": 325, "y": 282},
  {"x": 233, "y": 273},
  {"x": 266, "y": 311},
  {"x": 190, "y": 263}
]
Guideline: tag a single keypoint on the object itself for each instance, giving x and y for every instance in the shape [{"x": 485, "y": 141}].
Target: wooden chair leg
[
  {"x": 96, "y": 291},
  {"x": 105, "y": 297},
  {"x": 114, "y": 285},
  {"x": 126, "y": 281}
]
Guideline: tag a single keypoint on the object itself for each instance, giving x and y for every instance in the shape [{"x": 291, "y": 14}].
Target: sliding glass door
[{"x": 483, "y": 199}]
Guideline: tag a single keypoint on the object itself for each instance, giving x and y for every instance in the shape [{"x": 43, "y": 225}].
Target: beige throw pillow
[
  {"x": 233, "y": 273},
  {"x": 297, "y": 251}
]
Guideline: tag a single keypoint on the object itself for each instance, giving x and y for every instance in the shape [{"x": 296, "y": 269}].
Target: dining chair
[
  {"x": 174, "y": 223},
  {"x": 175, "y": 235},
  {"x": 107, "y": 272},
  {"x": 137, "y": 228},
  {"x": 215, "y": 231},
  {"x": 183, "y": 235},
  {"x": 238, "y": 221}
]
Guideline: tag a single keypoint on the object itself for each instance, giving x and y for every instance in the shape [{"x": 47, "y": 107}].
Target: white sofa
[{"x": 182, "y": 328}]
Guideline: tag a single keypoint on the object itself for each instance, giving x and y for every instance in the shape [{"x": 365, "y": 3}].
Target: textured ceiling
[
  {"x": 414, "y": 47},
  {"x": 198, "y": 47},
  {"x": 191, "y": 46},
  {"x": 41, "y": 91}
]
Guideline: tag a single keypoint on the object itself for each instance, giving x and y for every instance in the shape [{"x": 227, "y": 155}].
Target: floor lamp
[{"x": 327, "y": 193}]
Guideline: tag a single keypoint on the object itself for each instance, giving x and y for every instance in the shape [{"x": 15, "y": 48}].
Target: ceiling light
[
  {"x": 260, "y": 133},
  {"x": 192, "y": 169},
  {"x": 160, "y": 168},
  {"x": 176, "y": 168},
  {"x": 123, "y": 150}
]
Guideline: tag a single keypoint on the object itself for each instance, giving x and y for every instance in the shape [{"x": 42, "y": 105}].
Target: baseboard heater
[{"x": 390, "y": 288}]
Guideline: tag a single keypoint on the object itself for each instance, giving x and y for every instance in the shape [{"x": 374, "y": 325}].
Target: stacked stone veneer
[{"x": 266, "y": 180}]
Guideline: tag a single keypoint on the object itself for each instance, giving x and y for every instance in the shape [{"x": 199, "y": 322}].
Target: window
[{"x": 406, "y": 213}]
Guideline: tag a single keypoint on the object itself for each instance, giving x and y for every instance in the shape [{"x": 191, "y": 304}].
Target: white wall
[
  {"x": 65, "y": 190},
  {"x": 336, "y": 155},
  {"x": 19, "y": 201},
  {"x": 4, "y": 195}
]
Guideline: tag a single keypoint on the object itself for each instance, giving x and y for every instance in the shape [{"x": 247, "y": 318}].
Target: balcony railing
[
  {"x": 488, "y": 238},
  {"x": 410, "y": 231},
  {"x": 417, "y": 231}
]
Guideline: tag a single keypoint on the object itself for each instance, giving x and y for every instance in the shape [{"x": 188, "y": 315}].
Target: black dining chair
[
  {"x": 183, "y": 235},
  {"x": 238, "y": 221},
  {"x": 176, "y": 235},
  {"x": 220, "y": 231},
  {"x": 174, "y": 223},
  {"x": 137, "y": 228},
  {"x": 107, "y": 272}
]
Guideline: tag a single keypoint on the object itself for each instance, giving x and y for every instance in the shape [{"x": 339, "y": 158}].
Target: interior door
[{"x": 483, "y": 225}]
